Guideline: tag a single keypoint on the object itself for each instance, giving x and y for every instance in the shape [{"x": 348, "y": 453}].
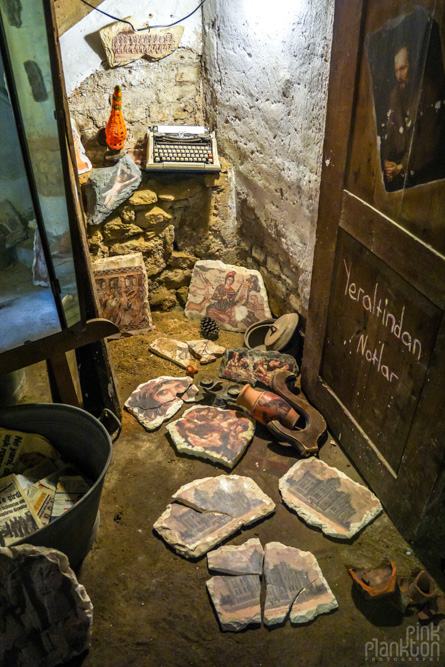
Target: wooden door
[{"x": 374, "y": 360}]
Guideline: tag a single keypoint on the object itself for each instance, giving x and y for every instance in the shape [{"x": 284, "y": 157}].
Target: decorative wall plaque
[
  {"x": 123, "y": 45},
  {"x": 121, "y": 284}
]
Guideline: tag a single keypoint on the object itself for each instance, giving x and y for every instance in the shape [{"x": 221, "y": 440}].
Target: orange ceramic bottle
[
  {"x": 116, "y": 131},
  {"x": 264, "y": 406}
]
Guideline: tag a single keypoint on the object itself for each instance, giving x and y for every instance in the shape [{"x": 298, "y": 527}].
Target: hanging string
[{"x": 115, "y": 18}]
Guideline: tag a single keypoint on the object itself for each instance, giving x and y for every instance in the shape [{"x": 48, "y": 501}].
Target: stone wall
[
  {"x": 166, "y": 92},
  {"x": 266, "y": 70},
  {"x": 264, "y": 91},
  {"x": 174, "y": 221}
]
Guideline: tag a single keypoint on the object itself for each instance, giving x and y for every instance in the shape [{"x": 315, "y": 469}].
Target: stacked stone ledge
[{"x": 173, "y": 220}]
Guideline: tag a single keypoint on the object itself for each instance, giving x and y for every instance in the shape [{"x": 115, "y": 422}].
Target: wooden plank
[
  {"x": 413, "y": 260},
  {"x": 414, "y": 504},
  {"x": 380, "y": 337},
  {"x": 61, "y": 380},
  {"x": 345, "y": 49},
  {"x": 70, "y": 12},
  {"x": 65, "y": 340}
]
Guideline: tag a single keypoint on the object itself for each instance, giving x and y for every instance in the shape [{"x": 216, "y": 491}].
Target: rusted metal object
[
  {"x": 221, "y": 393},
  {"x": 303, "y": 437},
  {"x": 265, "y": 406},
  {"x": 376, "y": 583}
]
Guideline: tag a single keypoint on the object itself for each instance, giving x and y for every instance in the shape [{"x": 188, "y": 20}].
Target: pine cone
[{"x": 209, "y": 328}]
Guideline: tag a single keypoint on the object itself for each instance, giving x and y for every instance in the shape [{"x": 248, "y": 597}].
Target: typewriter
[{"x": 181, "y": 148}]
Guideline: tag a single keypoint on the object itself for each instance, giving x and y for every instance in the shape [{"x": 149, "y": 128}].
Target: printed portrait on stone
[
  {"x": 157, "y": 400},
  {"x": 209, "y": 428},
  {"x": 407, "y": 72}
]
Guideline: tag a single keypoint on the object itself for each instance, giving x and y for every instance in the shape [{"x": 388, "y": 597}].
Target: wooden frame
[{"x": 413, "y": 493}]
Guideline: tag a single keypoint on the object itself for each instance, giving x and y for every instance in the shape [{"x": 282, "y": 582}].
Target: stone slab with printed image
[
  {"x": 236, "y": 601},
  {"x": 123, "y": 45},
  {"x": 295, "y": 586},
  {"x": 174, "y": 350},
  {"x": 328, "y": 499},
  {"x": 232, "y": 295},
  {"x": 213, "y": 433},
  {"x": 246, "y": 558},
  {"x": 122, "y": 287},
  {"x": 205, "y": 351},
  {"x": 206, "y": 511},
  {"x": 157, "y": 400},
  {"x": 252, "y": 366}
]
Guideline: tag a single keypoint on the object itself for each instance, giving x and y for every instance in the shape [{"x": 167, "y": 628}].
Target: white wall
[
  {"x": 267, "y": 65},
  {"x": 82, "y": 51}
]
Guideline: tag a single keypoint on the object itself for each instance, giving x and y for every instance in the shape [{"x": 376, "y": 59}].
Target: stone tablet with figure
[{"x": 232, "y": 295}]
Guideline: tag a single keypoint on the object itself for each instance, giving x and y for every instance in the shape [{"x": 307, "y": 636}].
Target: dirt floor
[{"x": 151, "y": 607}]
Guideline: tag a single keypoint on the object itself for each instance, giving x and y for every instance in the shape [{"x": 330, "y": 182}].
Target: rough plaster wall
[
  {"x": 82, "y": 51},
  {"x": 267, "y": 89},
  {"x": 167, "y": 91}
]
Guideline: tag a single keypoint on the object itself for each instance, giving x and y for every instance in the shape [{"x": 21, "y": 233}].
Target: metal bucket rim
[{"x": 59, "y": 407}]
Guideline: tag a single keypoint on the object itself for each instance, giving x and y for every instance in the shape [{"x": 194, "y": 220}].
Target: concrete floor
[{"x": 151, "y": 606}]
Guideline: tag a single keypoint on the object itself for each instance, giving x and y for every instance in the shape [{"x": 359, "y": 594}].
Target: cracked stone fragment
[
  {"x": 173, "y": 350},
  {"x": 244, "y": 559},
  {"x": 213, "y": 433},
  {"x": 205, "y": 350},
  {"x": 211, "y": 509},
  {"x": 157, "y": 400},
  {"x": 295, "y": 586},
  {"x": 236, "y": 601},
  {"x": 233, "y": 295},
  {"x": 326, "y": 498},
  {"x": 252, "y": 366},
  {"x": 46, "y": 615}
]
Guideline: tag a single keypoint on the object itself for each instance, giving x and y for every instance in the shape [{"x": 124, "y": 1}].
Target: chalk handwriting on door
[{"x": 381, "y": 309}]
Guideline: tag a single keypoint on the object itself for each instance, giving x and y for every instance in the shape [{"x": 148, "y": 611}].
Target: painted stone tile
[
  {"x": 327, "y": 498},
  {"x": 173, "y": 350},
  {"x": 232, "y": 295},
  {"x": 213, "y": 433},
  {"x": 109, "y": 187},
  {"x": 295, "y": 586},
  {"x": 123, "y": 45},
  {"x": 246, "y": 558},
  {"x": 205, "y": 350},
  {"x": 236, "y": 601},
  {"x": 122, "y": 287},
  {"x": 157, "y": 400},
  {"x": 208, "y": 510},
  {"x": 252, "y": 366}
]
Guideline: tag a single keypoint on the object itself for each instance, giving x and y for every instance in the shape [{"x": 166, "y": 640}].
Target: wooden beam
[{"x": 70, "y": 12}]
